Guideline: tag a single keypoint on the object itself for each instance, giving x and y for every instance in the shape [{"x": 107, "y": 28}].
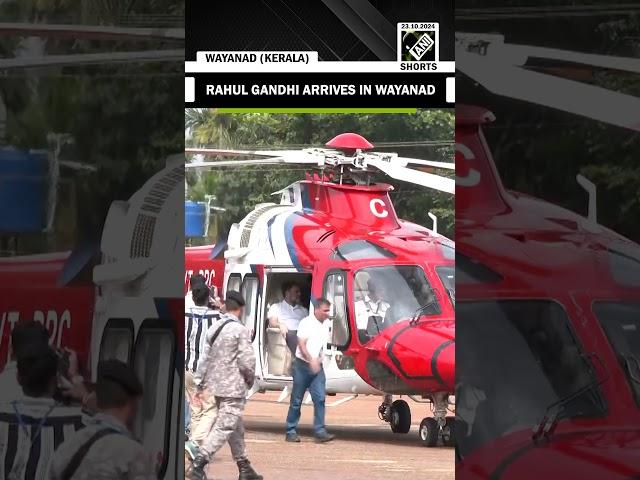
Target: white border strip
[{"x": 320, "y": 67}]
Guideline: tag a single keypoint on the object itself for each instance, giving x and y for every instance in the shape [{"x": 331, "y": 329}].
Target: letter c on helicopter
[
  {"x": 473, "y": 176},
  {"x": 377, "y": 207}
]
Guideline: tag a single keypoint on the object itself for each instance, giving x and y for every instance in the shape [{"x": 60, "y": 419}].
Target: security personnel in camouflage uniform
[
  {"x": 226, "y": 370},
  {"x": 106, "y": 449}
]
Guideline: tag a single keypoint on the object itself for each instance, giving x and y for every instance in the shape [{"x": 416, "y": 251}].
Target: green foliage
[
  {"x": 123, "y": 118},
  {"x": 240, "y": 189}
]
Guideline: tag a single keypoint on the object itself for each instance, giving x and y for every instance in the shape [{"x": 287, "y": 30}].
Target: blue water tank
[
  {"x": 195, "y": 214},
  {"x": 23, "y": 191}
]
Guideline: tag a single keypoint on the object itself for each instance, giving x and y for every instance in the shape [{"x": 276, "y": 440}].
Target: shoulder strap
[
  {"x": 215, "y": 335},
  {"x": 77, "y": 458}
]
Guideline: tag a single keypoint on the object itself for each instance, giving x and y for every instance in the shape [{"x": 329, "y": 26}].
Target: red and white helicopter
[
  {"x": 332, "y": 233},
  {"x": 127, "y": 303},
  {"x": 549, "y": 300}
]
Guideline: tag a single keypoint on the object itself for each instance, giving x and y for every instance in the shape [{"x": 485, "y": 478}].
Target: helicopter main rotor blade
[
  {"x": 602, "y": 61},
  {"x": 429, "y": 163},
  {"x": 567, "y": 95},
  {"x": 417, "y": 177},
  {"x": 92, "y": 59},
  {"x": 78, "y": 165},
  {"x": 240, "y": 153},
  {"x": 95, "y": 32},
  {"x": 494, "y": 48},
  {"x": 238, "y": 163}
]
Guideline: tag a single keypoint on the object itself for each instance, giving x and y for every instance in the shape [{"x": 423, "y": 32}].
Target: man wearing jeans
[{"x": 308, "y": 373}]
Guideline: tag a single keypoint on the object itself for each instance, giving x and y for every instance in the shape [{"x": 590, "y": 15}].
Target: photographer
[
  {"x": 25, "y": 336},
  {"x": 31, "y": 336},
  {"x": 36, "y": 421}
]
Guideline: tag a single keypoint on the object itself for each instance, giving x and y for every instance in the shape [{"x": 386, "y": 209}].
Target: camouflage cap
[
  {"x": 236, "y": 296},
  {"x": 120, "y": 373}
]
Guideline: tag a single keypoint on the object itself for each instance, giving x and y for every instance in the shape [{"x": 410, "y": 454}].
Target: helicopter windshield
[
  {"x": 515, "y": 358},
  {"x": 384, "y": 295},
  {"x": 621, "y": 323},
  {"x": 448, "y": 278}
]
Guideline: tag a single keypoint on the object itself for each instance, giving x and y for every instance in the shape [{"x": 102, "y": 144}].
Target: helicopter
[
  {"x": 120, "y": 299},
  {"x": 548, "y": 299},
  {"x": 331, "y": 234}
]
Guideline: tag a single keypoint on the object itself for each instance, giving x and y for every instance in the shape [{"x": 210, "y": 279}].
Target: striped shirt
[
  {"x": 197, "y": 321},
  {"x": 30, "y": 430}
]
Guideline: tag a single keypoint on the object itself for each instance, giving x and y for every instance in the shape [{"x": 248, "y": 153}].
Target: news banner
[{"x": 298, "y": 79}]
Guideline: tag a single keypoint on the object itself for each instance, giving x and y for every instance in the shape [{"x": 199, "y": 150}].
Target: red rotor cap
[{"x": 349, "y": 141}]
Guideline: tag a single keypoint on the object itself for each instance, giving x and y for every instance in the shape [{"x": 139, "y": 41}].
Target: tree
[
  {"x": 239, "y": 190},
  {"x": 124, "y": 118}
]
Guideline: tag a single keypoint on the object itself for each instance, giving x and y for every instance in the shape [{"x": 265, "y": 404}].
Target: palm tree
[{"x": 208, "y": 127}]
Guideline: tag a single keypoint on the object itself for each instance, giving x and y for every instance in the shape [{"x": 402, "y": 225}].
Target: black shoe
[
  {"x": 197, "y": 467},
  {"x": 247, "y": 472},
  {"x": 292, "y": 437},
  {"x": 324, "y": 437}
]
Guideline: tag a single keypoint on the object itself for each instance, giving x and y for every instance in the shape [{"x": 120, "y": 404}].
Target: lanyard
[
  {"x": 23, "y": 425},
  {"x": 378, "y": 305}
]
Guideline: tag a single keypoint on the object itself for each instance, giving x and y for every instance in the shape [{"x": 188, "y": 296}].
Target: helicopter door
[
  {"x": 275, "y": 355},
  {"x": 335, "y": 291},
  {"x": 153, "y": 361}
]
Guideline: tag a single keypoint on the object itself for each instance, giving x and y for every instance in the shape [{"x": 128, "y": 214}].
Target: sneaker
[
  {"x": 292, "y": 437},
  {"x": 192, "y": 449},
  {"x": 324, "y": 437}
]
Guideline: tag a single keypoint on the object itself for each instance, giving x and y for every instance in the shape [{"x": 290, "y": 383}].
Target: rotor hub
[{"x": 349, "y": 143}]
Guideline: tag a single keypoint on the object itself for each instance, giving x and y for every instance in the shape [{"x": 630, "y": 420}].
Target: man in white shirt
[
  {"x": 373, "y": 304},
  {"x": 308, "y": 373},
  {"x": 197, "y": 320},
  {"x": 287, "y": 314}
]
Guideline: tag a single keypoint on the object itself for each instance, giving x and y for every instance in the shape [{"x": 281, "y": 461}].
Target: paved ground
[{"x": 365, "y": 448}]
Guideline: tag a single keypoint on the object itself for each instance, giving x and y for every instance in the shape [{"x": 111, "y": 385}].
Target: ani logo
[{"x": 418, "y": 42}]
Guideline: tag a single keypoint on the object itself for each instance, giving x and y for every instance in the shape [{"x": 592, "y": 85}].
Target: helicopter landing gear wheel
[
  {"x": 400, "y": 417},
  {"x": 429, "y": 432},
  {"x": 432, "y": 428},
  {"x": 448, "y": 432}
]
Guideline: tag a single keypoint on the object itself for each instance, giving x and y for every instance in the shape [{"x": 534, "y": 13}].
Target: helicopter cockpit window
[
  {"x": 516, "y": 360},
  {"x": 334, "y": 291},
  {"x": 621, "y": 323},
  {"x": 448, "y": 278},
  {"x": 360, "y": 249},
  {"x": 625, "y": 268},
  {"x": 448, "y": 251},
  {"x": 385, "y": 295}
]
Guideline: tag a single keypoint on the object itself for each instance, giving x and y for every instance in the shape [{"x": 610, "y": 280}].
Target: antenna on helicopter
[
  {"x": 435, "y": 222},
  {"x": 590, "y": 187}
]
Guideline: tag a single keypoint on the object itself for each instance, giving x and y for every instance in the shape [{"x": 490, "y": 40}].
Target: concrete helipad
[{"x": 365, "y": 447}]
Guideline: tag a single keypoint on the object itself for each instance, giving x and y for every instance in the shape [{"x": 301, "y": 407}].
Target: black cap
[
  {"x": 236, "y": 297},
  {"x": 120, "y": 373},
  {"x": 197, "y": 279}
]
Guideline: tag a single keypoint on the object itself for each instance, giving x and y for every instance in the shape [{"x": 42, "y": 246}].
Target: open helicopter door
[{"x": 275, "y": 356}]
